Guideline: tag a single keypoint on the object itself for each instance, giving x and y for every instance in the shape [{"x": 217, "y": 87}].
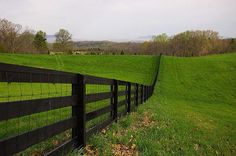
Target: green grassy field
[
  {"x": 140, "y": 69},
  {"x": 192, "y": 112}
]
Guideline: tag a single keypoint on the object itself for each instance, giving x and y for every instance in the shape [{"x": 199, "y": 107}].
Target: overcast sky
[{"x": 122, "y": 19}]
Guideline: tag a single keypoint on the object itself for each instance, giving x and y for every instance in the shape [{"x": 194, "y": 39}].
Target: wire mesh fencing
[{"x": 30, "y": 101}]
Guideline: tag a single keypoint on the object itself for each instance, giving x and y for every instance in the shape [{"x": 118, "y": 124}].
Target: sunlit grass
[{"x": 192, "y": 111}]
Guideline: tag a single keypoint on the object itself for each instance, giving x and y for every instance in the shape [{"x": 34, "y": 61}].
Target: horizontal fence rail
[{"x": 90, "y": 110}]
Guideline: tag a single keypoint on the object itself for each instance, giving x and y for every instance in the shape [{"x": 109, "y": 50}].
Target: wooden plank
[
  {"x": 97, "y": 80},
  {"x": 97, "y": 96},
  {"x": 98, "y": 127},
  {"x": 96, "y": 113},
  {"x": 16, "y": 73},
  {"x": 9, "y": 110},
  {"x": 63, "y": 148},
  {"x": 122, "y": 83},
  {"x": 20, "y": 68},
  {"x": 35, "y": 77},
  {"x": 20, "y": 142}
]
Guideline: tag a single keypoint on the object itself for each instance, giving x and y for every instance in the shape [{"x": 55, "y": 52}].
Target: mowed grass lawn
[
  {"x": 192, "y": 112},
  {"x": 139, "y": 69}
]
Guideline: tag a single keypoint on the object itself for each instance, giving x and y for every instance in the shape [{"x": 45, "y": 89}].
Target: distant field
[{"x": 193, "y": 112}]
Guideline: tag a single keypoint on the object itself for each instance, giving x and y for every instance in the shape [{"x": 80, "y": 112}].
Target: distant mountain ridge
[{"x": 52, "y": 38}]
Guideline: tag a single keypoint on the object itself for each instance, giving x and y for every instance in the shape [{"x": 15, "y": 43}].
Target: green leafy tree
[{"x": 40, "y": 41}]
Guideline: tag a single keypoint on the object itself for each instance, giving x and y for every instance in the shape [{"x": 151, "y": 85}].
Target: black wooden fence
[{"x": 78, "y": 100}]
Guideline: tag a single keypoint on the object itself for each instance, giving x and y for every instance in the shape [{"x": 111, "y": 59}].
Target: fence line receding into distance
[{"x": 52, "y": 103}]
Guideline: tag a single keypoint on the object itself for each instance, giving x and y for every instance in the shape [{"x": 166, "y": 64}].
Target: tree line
[
  {"x": 189, "y": 43},
  {"x": 108, "y": 47},
  {"x": 16, "y": 39}
]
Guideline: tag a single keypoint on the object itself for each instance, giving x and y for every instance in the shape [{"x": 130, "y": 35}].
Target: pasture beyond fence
[{"x": 38, "y": 104}]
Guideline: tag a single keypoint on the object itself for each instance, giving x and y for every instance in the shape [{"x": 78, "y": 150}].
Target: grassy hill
[
  {"x": 140, "y": 69},
  {"x": 192, "y": 112}
]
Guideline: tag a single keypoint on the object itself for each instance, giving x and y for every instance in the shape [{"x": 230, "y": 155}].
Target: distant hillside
[
  {"x": 109, "y": 46},
  {"x": 192, "y": 111}
]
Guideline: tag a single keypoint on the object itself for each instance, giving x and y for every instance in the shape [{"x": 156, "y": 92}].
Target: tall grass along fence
[{"x": 50, "y": 112}]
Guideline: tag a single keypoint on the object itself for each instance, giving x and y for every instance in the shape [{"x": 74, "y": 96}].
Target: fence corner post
[{"x": 78, "y": 111}]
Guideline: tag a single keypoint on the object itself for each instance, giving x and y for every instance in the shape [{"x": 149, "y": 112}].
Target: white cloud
[{"x": 123, "y": 19}]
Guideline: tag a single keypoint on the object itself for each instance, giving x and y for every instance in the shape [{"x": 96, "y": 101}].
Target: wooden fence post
[
  {"x": 150, "y": 92},
  {"x": 136, "y": 95},
  {"x": 78, "y": 111},
  {"x": 112, "y": 98},
  {"x": 145, "y": 93},
  {"x": 141, "y": 94},
  {"x": 129, "y": 97},
  {"x": 115, "y": 95},
  {"x": 75, "y": 91}
]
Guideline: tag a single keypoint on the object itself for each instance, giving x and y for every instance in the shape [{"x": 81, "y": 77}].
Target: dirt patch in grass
[
  {"x": 147, "y": 120},
  {"x": 143, "y": 121},
  {"x": 36, "y": 154},
  {"x": 124, "y": 150},
  {"x": 91, "y": 151},
  {"x": 196, "y": 147}
]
